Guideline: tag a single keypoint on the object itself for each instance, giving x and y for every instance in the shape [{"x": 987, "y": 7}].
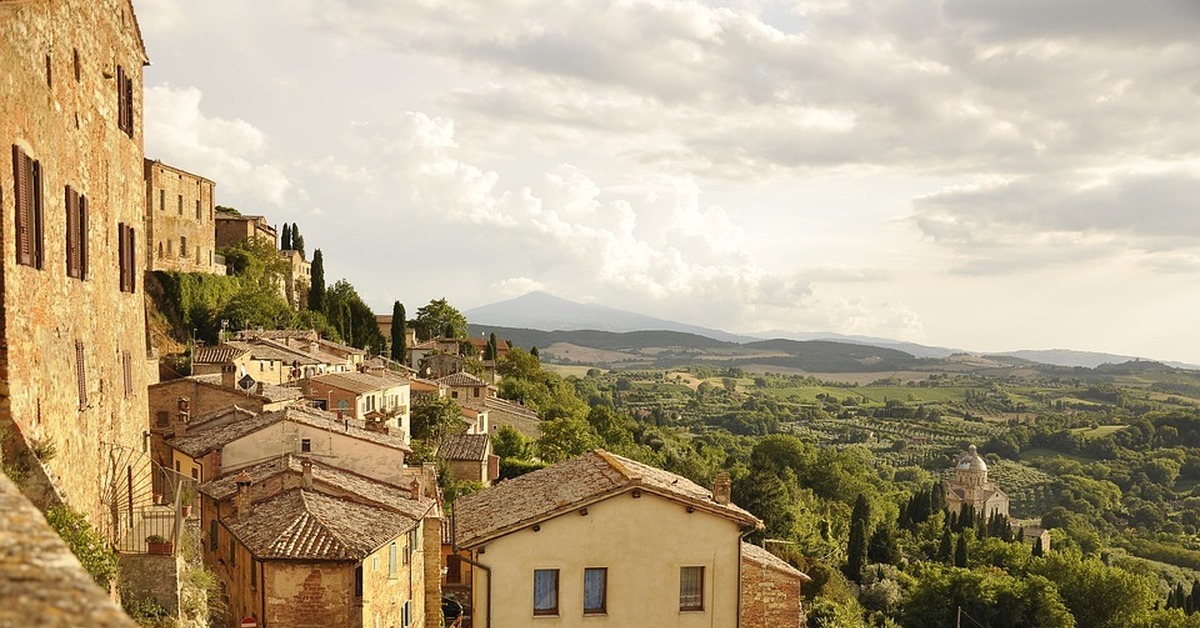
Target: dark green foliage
[
  {"x": 513, "y": 467},
  {"x": 856, "y": 549},
  {"x": 534, "y": 353},
  {"x": 1038, "y": 550},
  {"x": 92, "y": 551},
  {"x": 352, "y": 317},
  {"x": 438, "y": 317},
  {"x": 986, "y": 598},
  {"x": 316, "y": 291},
  {"x": 297, "y": 240},
  {"x": 399, "y": 350},
  {"x": 285, "y": 238},
  {"x": 434, "y": 417},
  {"x": 960, "y": 551},
  {"x": 192, "y": 301},
  {"x": 883, "y": 546}
]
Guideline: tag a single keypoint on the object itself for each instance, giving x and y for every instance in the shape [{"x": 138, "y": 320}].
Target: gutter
[{"x": 470, "y": 561}]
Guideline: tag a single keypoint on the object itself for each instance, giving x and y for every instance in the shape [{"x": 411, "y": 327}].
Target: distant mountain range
[{"x": 539, "y": 311}]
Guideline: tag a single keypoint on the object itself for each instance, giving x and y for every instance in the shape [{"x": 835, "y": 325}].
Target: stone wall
[
  {"x": 59, "y": 104},
  {"x": 770, "y": 598},
  {"x": 152, "y": 576},
  {"x": 302, "y": 593},
  {"x": 179, "y": 215}
]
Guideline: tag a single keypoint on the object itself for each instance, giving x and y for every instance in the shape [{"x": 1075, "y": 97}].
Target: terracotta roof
[
  {"x": 208, "y": 436},
  {"x": 219, "y": 354},
  {"x": 462, "y": 379},
  {"x": 473, "y": 447},
  {"x": 549, "y": 492},
  {"x": 254, "y": 334},
  {"x": 760, "y": 557},
  {"x": 358, "y": 383},
  {"x": 260, "y": 350},
  {"x": 373, "y": 492},
  {"x": 271, "y": 392},
  {"x": 303, "y": 524}
]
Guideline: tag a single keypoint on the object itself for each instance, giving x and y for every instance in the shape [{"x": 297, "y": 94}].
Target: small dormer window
[{"x": 305, "y": 445}]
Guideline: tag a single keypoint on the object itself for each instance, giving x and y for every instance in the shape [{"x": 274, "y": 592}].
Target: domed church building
[{"x": 971, "y": 486}]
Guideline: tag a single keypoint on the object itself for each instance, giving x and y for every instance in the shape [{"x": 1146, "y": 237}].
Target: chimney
[
  {"x": 312, "y": 347},
  {"x": 182, "y": 416},
  {"x": 722, "y": 488},
  {"x": 414, "y": 489},
  {"x": 306, "y": 473},
  {"x": 241, "y": 499},
  {"x": 229, "y": 375},
  {"x": 377, "y": 424}
]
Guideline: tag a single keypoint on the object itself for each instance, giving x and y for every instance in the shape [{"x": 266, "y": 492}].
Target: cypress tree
[
  {"x": 316, "y": 292},
  {"x": 285, "y": 240},
  {"x": 493, "y": 347},
  {"x": 399, "y": 350},
  {"x": 534, "y": 352},
  {"x": 856, "y": 549},
  {"x": 883, "y": 547},
  {"x": 960, "y": 551},
  {"x": 1038, "y": 549},
  {"x": 1194, "y": 598},
  {"x": 937, "y": 497},
  {"x": 297, "y": 240},
  {"x": 945, "y": 548}
]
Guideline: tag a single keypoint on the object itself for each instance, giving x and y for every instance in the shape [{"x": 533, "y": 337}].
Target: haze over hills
[{"x": 540, "y": 311}]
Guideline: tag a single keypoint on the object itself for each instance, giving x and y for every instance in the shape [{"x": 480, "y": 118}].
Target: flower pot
[{"x": 166, "y": 549}]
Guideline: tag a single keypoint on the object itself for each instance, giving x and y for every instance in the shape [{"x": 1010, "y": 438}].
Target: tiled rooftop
[
  {"x": 219, "y": 354},
  {"x": 545, "y": 493},
  {"x": 304, "y": 524},
  {"x": 359, "y": 383},
  {"x": 760, "y": 557},
  {"x": 373, "y": 492},
  {"x": 205, "y": 437},
  {"x": 462, "y": 379},
  {"x": 473, "y": 447}
]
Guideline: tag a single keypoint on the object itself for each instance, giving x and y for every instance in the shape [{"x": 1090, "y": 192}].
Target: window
[
  {"x": 476, "y": 389},
  {"x": 595, "y": 589},
  {"x": 75, "y": 53},
  {"x": 232, "y": 552},
  {"x": 545, "y": 591},
  {"x": 49, "y": 82},
  {"x": 124, "y": 101},
  {"x": 127, "y": 257},
  {"x": 162, "y": 200},
  {"x": 77, "y": 249},
  {"x": 691, "y": 588},
  {"x": 212, "y": 535},
  {"x": 81, "y": 374},
  {"x": 127, "y": 365},
  {"x": 305, "y": 445},
  {"x": 358, "y": 581},
  {"x": 181, "y": 206},
  {"x": 197, "y": 209},
  {"x": 392, "y": 560},
  {"x": 183, "y": 247},
  {"x": 27, "y": 182},
  {"x": 163, "y": 419},
  {"x": 406, "y": 614}
]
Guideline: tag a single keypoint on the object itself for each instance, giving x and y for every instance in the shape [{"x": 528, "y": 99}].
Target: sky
[{"x": 981, "y": 175}]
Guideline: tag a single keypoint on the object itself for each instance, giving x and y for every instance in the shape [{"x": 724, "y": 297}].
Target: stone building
[
  {"x": 771, "y": 596},
  {"x": 297, "y": 277},
  {"x": 469, "y": 457},
  {"x": 233, "y": 228},
  {"x": 180, "y": 221},
  {"x": 73, "y": 348},
  {"x": 970, "y": 485},
  {"x": 298, "y": 542},
  {"x": 379, "y": 394}
]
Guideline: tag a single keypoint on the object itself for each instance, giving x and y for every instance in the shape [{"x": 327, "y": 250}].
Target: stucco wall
[
  {"x": 70, "y": 126},
  {"x": 642, "y": 541},
  {"x": 363, "y": 457}
]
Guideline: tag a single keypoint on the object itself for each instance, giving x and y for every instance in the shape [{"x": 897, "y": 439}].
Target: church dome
[{"x": 970, "y": 461}]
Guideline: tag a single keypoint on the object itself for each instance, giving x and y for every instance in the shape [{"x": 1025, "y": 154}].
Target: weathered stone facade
[
  {"x": 73, "y": 331},
  {"x": 180, "y": 220},
  {"x": 232, "y": 229},
  {"x": 770, "y": 591},
  {"x": 297, "y": 278}
]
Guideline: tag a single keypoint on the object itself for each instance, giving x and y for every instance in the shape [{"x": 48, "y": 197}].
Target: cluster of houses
[{"x": 288, "y": 455}]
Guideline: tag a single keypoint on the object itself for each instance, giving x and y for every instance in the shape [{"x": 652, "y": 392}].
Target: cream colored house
[
  {"x": 602, "y": 540},
  {"x": 380, "y": 393}
]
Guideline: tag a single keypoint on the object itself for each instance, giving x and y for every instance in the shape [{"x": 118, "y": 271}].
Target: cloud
[
  {"x": 517, "y": 286},
  {"x": 230, "y": 152}
]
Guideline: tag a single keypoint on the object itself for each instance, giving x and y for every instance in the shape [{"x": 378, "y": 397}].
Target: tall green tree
[
  {"x": 285, "y": 239},
  {"x": 297, "y": 240},
  {"x": 960, "y": 551},
  {"x": 399, "y": 350},
  {"x": 856, "y": 549},
  {"x": 316, "y": 292},
  {"x": 352, "y": 317},
  {"x": 439, "y": 317},
  {"x": 490, "y": 352},
  {"x": 434, "y": 417}
]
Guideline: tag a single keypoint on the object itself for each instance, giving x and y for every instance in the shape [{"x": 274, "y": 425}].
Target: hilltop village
[{"x": 276, "y": 477}]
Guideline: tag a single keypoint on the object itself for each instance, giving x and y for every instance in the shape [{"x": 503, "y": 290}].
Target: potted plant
[
  {"x": 185, "y": 503},
  {"x": 159, "y": 544}
]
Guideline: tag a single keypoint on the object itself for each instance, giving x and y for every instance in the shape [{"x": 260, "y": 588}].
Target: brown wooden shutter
[
  {"x": 39, "y": 252},
  {"x": 121, "y": 254},
  {"x": 131, "y": 258},
  {"x": 127, "y": 363},
  {"x": 82, "y": 231},
  {"x": 81, "y": 373},
  {"x": 121, "y": 98},
  {"x": 72, "y": 207},
  {"x": 22, "y": 189}
]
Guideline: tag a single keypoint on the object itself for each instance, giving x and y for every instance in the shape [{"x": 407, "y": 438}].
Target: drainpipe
[{"x": 485, "y": 568}]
